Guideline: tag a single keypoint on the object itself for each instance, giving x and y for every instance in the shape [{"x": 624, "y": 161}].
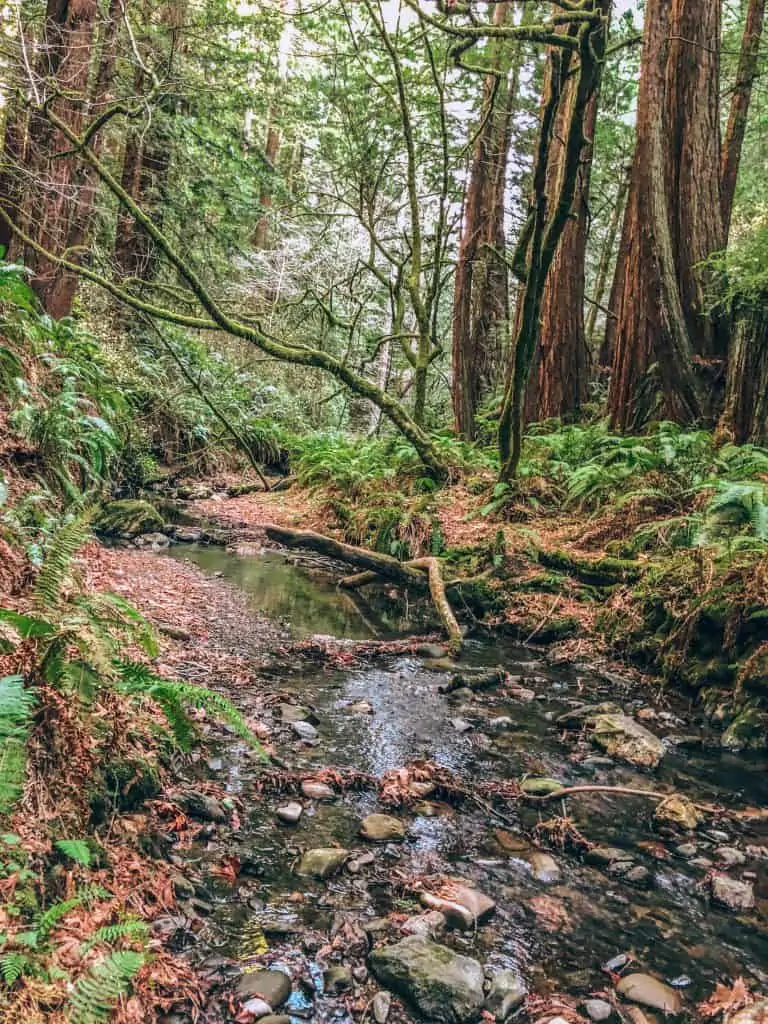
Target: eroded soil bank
[{"x": 567, "y": 899}]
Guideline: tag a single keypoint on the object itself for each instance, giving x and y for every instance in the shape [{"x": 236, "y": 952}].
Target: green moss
[{"x": 129, "y": 517}]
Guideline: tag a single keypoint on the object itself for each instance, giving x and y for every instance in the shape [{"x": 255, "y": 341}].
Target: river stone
[
  {"x": 381, "y": 1005},
  {"x": 649, "y": 991},
  {"x": 730, "y": 856},
  {"x": 507, "y": 992},
  {"x": 501, "y": 724},
  {"x": 757, "y": 1013},
  {"x": 202, "y": 806},
  {"x": 317, "y": 791},
  {"x": 461, "y": 905},
  {"x": 323, "y": 862},
  {"x": 461, "y": 724},
  {"x": 431, "y": 651},
  {"x": 273, "y": 987},
  {"x": 290, "y": 813},
  {"x": 733, "y": 893},
  {"x": 584, "y": 712},
  {"x": 598, "y": 1009},
  {"x": 509, "y": 842},
  {"x": 258, "y": 1008},
  {"x": 276, "y": 1018},
  {"x": 443, "y": 985},
  {"x": 382, "y": 828},
  {"x": 621, "y": 736},
  {"x": 430, "y": 925},
  {"x": 360, "y": 707},
  {"x": 155, "y": 541},
  {"x": 304, "y": 730},
  {"x": 540, "y": 787},
  {"x": 544, "y": 867},
  {"x": 677, "y": 810},
  {"x": 290, "y": 713},
  {"x": 607, "y": 855},
  {"x": 337, "y": 979}
]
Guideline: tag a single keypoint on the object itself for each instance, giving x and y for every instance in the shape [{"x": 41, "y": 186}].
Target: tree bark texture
[{"x": 745, "y": 415}]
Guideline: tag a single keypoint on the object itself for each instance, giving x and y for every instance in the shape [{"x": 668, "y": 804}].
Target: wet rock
[
  {"x": 381, "y": 1005},
  {"x": 757, "y": 1013},
  {"x": 461, "y": 905},
  {"x": 638, "y": 875},
  {"x": 337, "y": 979},
  {"x": 621, "y": 736},
  {"x": 443, "y": 985},
  {"x": 290, "y": 713},
  {"x": 354, "y": 867},
  {"x": 733, "y": 893},
  {"x": 382, "y": 828},
  {"x": 616, "y": 962},
  {"x": 509, "y": 842},
  {"x": 507, "y": 992},
  {"x": 544, "y": 868},
  {"x": 748, "y": 731},
  {"x": 322, "y": 863},
  {"x": 598, "y": 1009},
  {"x": 436, "y": 651},
  {"x": 603, "y": 856},
  {"x": 276, "y": 1018},
  {"x": 540, "y": 787},
  {"x": 258, "y": 1008},
  {"x": 304, "y": 730},
  {"x": 687, "y": 850},
  {"x": 501, "y": 724},
  {"x": 360, "y": 707},
  {"x": 290, "y": 813},
  {"x": 649, "y": 991},
  {"x": 677, "y": 810},
  {"x": 273, "y": 987},
  {"x": 430, "y": 926},
  {"x": 730, "y": 856},
  {"x": 202, "y": 806},
  {"x": 576, "y": 717},
  {"x": 153, "y": 541},
  {"x": 461, "y": 724},
  {"x": 317, "y": 791},
  {"x": 703, "y": 863},
  {"x": 128, "y": 517},
  {"x": 187, "y": 534}
]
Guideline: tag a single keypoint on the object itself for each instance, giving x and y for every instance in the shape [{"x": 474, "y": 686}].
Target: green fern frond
[
  {"x": 51, "y": 917},
  {"x": 132, "y": 929},
  {"x": 16, "y": 708},
  {"x": 13, "y": 965},
  {"x": 173, "y": 696},
  {"x": 97, "y": 993},
  {"x": 58, "y": 560},
  {"x": 76, "y": 849}
]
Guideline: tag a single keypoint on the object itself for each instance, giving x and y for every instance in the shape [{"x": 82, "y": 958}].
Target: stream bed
[{"x": 556, "y": 922}]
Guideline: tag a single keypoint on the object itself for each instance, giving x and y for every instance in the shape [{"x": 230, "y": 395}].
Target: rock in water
[
  {"x": 290, "y": 813},
  {"x": 507, "y": 992},
  {"x": 304, "y": 730},
  {"x": 337, "y": 979},
  {"x": 430, "y": 925},
  {"x": 273, "y": 987},
  {"x": 382, "y": 1003},
  {"x": 677, "y": 810},
  {"x": 382, "y": 828},
  {"x": 544, "y": 867},
  {"x": 540, "y": 787},
  {"x": 443, "y": 985},
  {"x": 598, "y": 1009},
  {"x": 322, "y": 863},
  {"x": 317, "y": 791},
  {"x": 649, "y": 991},
  {"x": 461, "y": 905},
  {"x": 733, "y": 893},
  {"x": 621, "y": 736}
]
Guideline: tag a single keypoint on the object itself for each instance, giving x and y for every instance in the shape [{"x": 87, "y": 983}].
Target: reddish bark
[
  {"x": 740, "y": 103},
  {"x": 673, "y": 219},
  {"x": 261, "y": 232}
]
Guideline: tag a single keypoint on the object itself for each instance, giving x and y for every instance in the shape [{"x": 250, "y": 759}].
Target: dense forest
[{"x": 383, "y": 511}]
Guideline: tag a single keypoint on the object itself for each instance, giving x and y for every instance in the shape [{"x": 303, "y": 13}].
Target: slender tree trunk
[
  {"x": 558, "y": 383},
  {"x": 672, "y": 221},
  {"x": 12, "y": 159},
  {"x": 601, "y": 281},
  {"x": 261, "y": 232},
  {"x": 740, "y": 103},
  {"x": 745, "y": 414},
  {"x": 481, "y": 295}
]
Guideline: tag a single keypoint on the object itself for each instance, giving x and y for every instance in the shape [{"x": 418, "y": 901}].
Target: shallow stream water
[{"x": 557, "y": 934}]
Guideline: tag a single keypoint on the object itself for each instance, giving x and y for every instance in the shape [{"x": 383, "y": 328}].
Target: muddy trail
[{"x": 589, "y": 907}]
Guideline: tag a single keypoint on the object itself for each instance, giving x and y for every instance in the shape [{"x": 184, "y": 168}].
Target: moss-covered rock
[
  {"x": 747, "y": 731},
  {"x": 128, "y": 518}
]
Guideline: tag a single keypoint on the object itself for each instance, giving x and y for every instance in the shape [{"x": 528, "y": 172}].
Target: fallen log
[{"x": 420, "y": 572}]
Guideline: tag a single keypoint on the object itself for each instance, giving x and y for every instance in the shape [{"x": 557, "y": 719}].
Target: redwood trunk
[
  {"x": 745, "y": 416},
  {"x": 673, "y": 220},
  {"x": 740, "y": 103},
  {"x": 261, "y": 232}
]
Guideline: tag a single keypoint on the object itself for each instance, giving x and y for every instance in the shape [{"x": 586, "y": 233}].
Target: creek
[{"x": 556, "y": 931}]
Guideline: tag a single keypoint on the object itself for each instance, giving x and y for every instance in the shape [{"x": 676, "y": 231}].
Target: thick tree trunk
[
  {"x": 745, "y": 416},
  {"x": 673, "y": 219},
  {"x": 558, "y": 383},
  {"x": 481, "y": 297},
  {"x": 740, "y": 103}
]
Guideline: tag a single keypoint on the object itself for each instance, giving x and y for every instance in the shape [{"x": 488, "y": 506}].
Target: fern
[
  {"x": 13, "y": 965},
  {"x": 58, "y": 560},
  {"x": 132, "y": 929},
  {"x": 173, "y": 696},
  {"x": 51, "y": 917},
  {"x": 96, "y": 993},
  {"x": 16, "y": 707},
  {"x": 76, "y": 849}
]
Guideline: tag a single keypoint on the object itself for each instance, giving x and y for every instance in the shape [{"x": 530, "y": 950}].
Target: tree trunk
[
  {"x": 745, "y": 416},
  {"x": 261, "y": 232},
  {"x": 606, "y": 255},
  {"x": 672, "y": 221},
  {"x": 740, "y": 103},
  {"x": 558, "y": 383},
  {"x": 11, "y": 170},
  {"x": 481, "y": 298},
  {"x": 146, "y": 163}
]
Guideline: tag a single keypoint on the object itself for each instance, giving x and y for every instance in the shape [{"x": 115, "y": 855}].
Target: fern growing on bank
[
  {"x": 96, "y": 993},
  {"x": 16, "y": 709}
]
